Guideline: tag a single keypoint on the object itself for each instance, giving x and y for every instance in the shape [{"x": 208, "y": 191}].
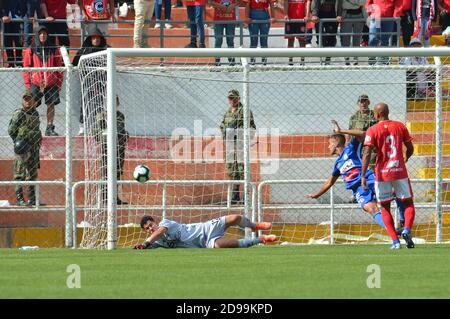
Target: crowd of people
[{"x": 361, "y": 22}]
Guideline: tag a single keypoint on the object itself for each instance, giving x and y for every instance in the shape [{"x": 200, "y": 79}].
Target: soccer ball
[{"x": 141, "y": 173}]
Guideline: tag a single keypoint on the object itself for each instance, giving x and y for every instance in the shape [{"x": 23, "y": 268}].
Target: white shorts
[
  {"x": 386, "y": 190},
  {"x": 214, "y": 229}
]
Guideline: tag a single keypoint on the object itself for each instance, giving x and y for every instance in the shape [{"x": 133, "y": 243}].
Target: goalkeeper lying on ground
[{"x": 170, "y": 234}]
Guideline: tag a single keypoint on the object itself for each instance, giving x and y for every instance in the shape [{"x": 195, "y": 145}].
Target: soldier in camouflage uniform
[
  {"x": 26, "y": 135},
  {"x": 362, "y": 120},
  {"x": 232, "y": 137},
  {"x": 122, "y": 140}
]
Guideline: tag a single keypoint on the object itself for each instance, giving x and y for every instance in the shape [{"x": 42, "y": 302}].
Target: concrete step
[
  {"x": 425, "y": 127},
  {"x": 159, "y": 147},
  {"x": 428, "y": 105},
  {"x": 431, "y": 173},
  {"x": 430, "y": 149}
]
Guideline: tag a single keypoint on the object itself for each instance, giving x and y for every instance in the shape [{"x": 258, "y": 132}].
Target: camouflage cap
[
  {"x": 27, "y": 93},
  {"x": 233, "y": 93},
  {"x": 363, "y": 97}
]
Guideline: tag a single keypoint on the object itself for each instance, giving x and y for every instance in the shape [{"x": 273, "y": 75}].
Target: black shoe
[
  {"x": 202, "y": 45},
  {"x": 121, "y": 202},
  {"x": 19, "y": 197},
  {"x": 291, "y": 61},
  {"x": 21, "y": 202},
  {"x": 232, "y": 61},
  {"x": 50, "y": 130},
  {"x": 264, "y": 61},
  {"x": 252, "y": 61},
  {"x": 32, "y": 202},
  {"x": 191, "y": 45},
  {"x": 217, "y": 62},
  {"x": 407, "y": 237}
]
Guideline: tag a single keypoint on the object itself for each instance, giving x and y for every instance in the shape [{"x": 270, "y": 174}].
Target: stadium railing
[{"x": 162, "y": 34}]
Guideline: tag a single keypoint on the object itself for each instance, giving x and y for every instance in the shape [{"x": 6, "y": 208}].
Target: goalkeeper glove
[{"x": 145, "y": 245}]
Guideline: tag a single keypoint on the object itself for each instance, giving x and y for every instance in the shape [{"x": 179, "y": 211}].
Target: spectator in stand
[
  {"x": 423, "y": 14},
  {"x": 378, "y": 11},
  {"x": 167, "y": 13},
  {"x": 94, "y": 42},
  {"x": 94, "y": 11},
  {"x": 224, "y": 10},
  {"x": 195, "y": 10},
  {"x": 407, "y": 22},
  {"x": 417, "y": 80},
  {"x": 444, "y": 12},
  {"x": 351, "y": 9},
  {"x": 56, "y": 10},
  {"x": 143, "y": 9},
  {"x": 32, "y": 8},
  {"x": 44, "y": 54},
  {"x": 11, "y": 9},
  {"x": 325, "y": 9},
  {"x": 259, "y": 10},
  {"x": 296, "y": 9}
]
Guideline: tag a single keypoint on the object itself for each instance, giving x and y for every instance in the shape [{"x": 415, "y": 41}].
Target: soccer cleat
[
  {"x": 268, "y": 238},
  {"x": 396, "y": 246},
  {"x": 407, "y": 237},
  {"x": 263, "y": 226}
]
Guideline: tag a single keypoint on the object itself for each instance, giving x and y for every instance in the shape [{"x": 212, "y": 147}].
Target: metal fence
[{"x": 296, "y": 102}]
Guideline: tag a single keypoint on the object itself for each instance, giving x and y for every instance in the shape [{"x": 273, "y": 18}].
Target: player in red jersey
[
  {"x": 296, "y": 9},
  {"x": 388, "y": 137}
]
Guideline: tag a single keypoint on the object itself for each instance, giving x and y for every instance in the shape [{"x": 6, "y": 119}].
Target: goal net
[{"x": 169, "y": 111}]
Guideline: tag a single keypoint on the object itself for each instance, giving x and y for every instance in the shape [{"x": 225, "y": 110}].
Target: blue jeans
[
  {"x": 259, "y": 30},
  {"x": 195, "y": 15},
  {"x": 424, "y": 26},
  {"x": 167, "y": 9},
  {"x": 374, "y": 33},
  {"x": 229, "y": 33},
  {"x": 32, "y": 7}
]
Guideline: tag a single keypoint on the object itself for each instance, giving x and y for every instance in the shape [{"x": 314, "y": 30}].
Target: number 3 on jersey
[{"x": 390, "y": 142}]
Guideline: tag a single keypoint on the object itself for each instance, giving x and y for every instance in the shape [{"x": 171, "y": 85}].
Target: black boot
[
  {"x": 235, "y": 197},
  {"x": 32, "y": 196},
  {"x": 19, "y": 197},
  {"x": 121, "y": 202},
  {"x": 50, "y": 130}
]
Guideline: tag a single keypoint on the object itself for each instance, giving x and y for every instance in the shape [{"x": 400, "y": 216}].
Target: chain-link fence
[{"x": 175, "y": 117}]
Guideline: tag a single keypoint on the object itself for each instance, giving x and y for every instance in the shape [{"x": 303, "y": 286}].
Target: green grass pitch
[{"x": 260, "y": 272}]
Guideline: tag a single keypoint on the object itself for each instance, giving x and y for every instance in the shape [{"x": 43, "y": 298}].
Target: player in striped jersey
[{"x": 348, "y": 165}]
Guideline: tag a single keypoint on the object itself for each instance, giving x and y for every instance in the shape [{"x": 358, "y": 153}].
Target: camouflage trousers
[
  {"x": 120, "y": 161},
  {"x": 25, "y": 167},
  {"x": 234, "y": 159}
]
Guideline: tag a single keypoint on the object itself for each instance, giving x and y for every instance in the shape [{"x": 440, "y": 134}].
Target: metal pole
[
  {"x": 241, "y": 33},
  {"x": 260, "y": 205},
  {"x": 247, "y": 175},
  {"x": 397, "y": 23},
  {"x": 253, "y": 207},
  {"x": 69, "y": 218},
  {"x": 3, "y": 42},
  {"x": 164, "y": 201},
  {"x": 438, "y": 198},
  {"x": 332, "y": 215},
  {"x": 111, "y": 129}
]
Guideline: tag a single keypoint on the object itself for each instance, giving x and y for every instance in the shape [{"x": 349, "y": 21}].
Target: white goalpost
[{"x": 163, "y": 108}]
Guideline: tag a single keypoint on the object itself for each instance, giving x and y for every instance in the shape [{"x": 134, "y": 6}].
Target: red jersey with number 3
[
  {"x": 297, "y": 9},
  {"x": 388, "y": 137}
]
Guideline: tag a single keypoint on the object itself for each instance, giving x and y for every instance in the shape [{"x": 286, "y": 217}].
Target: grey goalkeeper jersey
[{"x": 181, "y": 235}]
